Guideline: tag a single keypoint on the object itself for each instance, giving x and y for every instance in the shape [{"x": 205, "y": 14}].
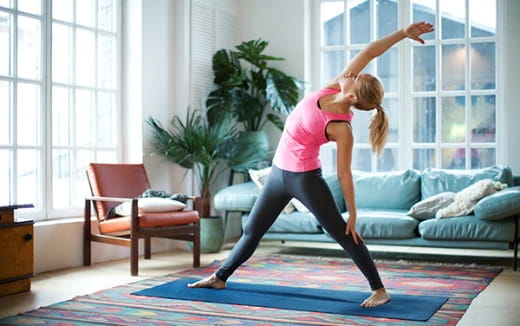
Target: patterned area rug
[{"x": 116, "y": 306}]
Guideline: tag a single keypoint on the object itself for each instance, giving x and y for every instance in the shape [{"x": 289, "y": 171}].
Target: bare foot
[
  {"x": 209, "y": 282},
  {"x": 378, "y": 297}
]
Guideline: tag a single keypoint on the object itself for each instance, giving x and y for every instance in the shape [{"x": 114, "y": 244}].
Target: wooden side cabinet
[{"x": 16, "y": 253}]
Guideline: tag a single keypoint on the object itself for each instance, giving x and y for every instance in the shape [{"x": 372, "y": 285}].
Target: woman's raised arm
[{"x": 378, "y": 47}]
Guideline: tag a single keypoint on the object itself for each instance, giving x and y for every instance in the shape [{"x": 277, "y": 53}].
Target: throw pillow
[
  {"x": 150, "y": 205},
  {"x": 259, "y": 177},
  {"x": 499, "y": 205},
  {"x": 466, "y": 199},
  {"x": 428, "y": 207}
]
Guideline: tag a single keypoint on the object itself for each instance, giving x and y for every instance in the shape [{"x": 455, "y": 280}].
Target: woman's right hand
[{"x": 415, "y": 30}]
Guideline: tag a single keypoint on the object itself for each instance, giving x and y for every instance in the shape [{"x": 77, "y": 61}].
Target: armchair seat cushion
[{"x": 161, "y": 219}]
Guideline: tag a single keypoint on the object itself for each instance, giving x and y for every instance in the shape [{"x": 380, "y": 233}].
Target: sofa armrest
[
  {"x": 499, "y": 205},
  {"x": 238, "y": 197}
]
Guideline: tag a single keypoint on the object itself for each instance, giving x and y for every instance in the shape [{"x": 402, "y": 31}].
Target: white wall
[{"x": 281, "y": 23}]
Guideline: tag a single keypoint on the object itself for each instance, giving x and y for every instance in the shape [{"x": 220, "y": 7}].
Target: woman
[{"x": 320, "y": 117}]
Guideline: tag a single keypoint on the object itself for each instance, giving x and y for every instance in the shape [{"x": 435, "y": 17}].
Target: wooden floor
[{"x": 498, "y": 305}]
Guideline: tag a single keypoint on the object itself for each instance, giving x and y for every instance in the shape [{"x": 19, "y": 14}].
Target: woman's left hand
[
  {"x": 351, "y": 230},
  {"x": 414, "y": 30}
]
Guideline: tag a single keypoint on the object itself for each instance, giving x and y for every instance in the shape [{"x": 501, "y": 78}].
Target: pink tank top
[{"x": 304, "y": 133}]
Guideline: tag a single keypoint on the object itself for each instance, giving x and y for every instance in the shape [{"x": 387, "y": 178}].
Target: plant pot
[{"x": 211, "y": 234}]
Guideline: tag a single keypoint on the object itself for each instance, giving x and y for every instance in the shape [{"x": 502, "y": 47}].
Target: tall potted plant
[
  {"x": 246, "y": 86},
  {"x": 207, "y": 150}
]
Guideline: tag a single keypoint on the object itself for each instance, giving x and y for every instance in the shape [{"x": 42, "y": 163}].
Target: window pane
[
  {"x": 6, "y": 3},
  {"x": 85, "y": 57},
  {"x": 30, "y": 6},
  {"x": 453, "y": 158},
  {"x": 5, "y": 112},
  {"x": 86, "y": 13},
  {"x": 61, "y": 108},
  {"x": 453, "y": 16},
  {"x": 80, "y": 187},
  {"x": 360, "y": 125},
  {"x": 483, "y": 122},
  {"x": 453, "y": 67},
  {"x": 389, "y": 161},
  {"x": 29, "y": 36},
  {"x": 106, "y": 15},
  {"x": 61, "y": 53},
  {"x": 106, "y": 118},
  {"x": 5, "y": 43},
  {"x": 425, "y": 124},
  {"x": 332, "y": 64},
  {"x": 423, "y": 158},
  {"x": 28, "y": 168},
  {"x": 359, "y": 15},
  {"x": 424, "y": 68},
  {"x": 61, "y": 161},
  {"x": 361, "y": 159},
  {"x": 84, "y": 118},
  {"x": 391, "y": 106},
  {"x": 28, "y": 114},
  {"x": 424, "y": 10},
  {"x": 62, "y": 10},
  {"x": 482, "y": 17},
  {"x": 106, "y": 61},
  {"x": 386, "y": 17},
  {"x": 453, "y": 119},
  {"x": 482, "y": 157},
  {"x": 109, "y": 157},
  {"x": 332, "y": 22},
  {"x": 388, "y": 70},
  {"x": 483, "y": 65}
]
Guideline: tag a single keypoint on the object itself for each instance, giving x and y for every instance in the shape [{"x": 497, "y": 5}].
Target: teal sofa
[{"x": 383, "y": 201}]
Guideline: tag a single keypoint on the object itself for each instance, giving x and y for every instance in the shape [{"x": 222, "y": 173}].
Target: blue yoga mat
[{"x": 407, "y": 307}]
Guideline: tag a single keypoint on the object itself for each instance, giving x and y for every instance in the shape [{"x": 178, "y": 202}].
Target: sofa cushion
[
  {"x": 295, "y": 222},
  {"x": 387, "y": 190},
  {"x": 150, "y": 205},
  {"x": 466, "y": 199},
  {"x": 427, "y": 208},
  {"x": 239, "y": 197},
  {"x": 499, "y": 205},
  {"x": 385, "y": 224},
  {"x": 467, "y": 228},
  {"x": 436, "y": 181}
]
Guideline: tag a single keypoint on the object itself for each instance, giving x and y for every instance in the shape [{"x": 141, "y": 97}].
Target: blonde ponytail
[
  {"x": 378, "y": 130},
  {"x": 369, "y": 96}
]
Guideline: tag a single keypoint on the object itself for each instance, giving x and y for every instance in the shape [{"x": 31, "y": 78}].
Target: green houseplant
[
  {"x": 246, "y": 86},
  {"x": 207, "y": 150}
]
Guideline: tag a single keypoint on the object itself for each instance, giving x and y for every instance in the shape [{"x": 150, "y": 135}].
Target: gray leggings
[{"x": 312, "y": 190}]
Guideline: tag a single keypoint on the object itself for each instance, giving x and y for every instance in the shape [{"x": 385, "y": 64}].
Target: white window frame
[
  {"x": 406, "y": 95},
  {"x": 43, "y": 209}
]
